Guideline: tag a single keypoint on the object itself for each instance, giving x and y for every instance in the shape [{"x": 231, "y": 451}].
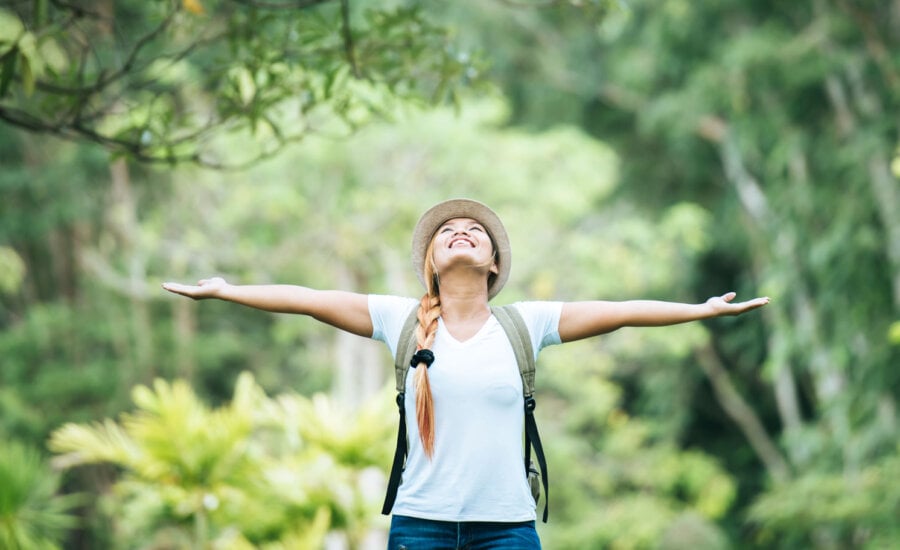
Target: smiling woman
[
  {"x": 462, "y": 245},
  {"x": 463, "y": 481}
]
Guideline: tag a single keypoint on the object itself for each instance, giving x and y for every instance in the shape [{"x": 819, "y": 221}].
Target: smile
[{"x": 461, "y": 240}]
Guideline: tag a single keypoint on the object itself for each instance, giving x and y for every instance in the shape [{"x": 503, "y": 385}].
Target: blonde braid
[{"x": 429, "y": 311}]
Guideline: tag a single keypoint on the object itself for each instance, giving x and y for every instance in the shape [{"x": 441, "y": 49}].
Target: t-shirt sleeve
[
  {"x": 388, "y": 314},
  {"x": 542, "y": 319}
]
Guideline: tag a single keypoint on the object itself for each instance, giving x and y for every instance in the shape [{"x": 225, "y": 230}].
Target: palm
[
  {"x": 32, "y": 514},
  {"x": 723, "y": 305},
  {"x": 206, "y": 288}
]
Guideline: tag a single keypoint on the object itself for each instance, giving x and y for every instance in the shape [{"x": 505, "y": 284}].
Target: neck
[{"x": 463, "y": 301}]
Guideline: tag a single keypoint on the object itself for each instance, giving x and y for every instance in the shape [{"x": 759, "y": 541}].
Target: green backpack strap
[
  {"x": 517, "y": 332},
  {"x": 406, "y": 347}
]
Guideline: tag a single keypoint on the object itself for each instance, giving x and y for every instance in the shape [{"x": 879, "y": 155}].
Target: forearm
[
  {"x": 654, "y": 313},
  {"x": 274, "y": 298},
  {"x": 346, "y": 310},
  {"x": 584, "y": 319}
]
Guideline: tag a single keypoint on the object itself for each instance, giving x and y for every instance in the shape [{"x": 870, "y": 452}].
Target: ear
[{"x": 494, "y": 269}]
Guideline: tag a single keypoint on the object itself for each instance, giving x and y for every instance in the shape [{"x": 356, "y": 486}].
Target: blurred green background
[{"x": 658, "y": 149}]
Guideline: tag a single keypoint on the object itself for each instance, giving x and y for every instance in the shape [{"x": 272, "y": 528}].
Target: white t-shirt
[{"x": 477, "y": 471}]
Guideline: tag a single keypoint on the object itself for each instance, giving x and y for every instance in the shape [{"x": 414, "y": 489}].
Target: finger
[
  {"x": 756, "y": 302},
  {"x": 174, "y": 287},
  {"x": 729, "y": 296}
]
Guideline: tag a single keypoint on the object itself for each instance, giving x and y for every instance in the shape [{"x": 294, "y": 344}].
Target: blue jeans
[{"x": 425, "y": 534}]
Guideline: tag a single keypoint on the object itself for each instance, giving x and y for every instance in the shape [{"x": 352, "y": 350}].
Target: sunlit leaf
[
  {"x": 193, "y": 6},
  {"x": 11, "y": 30}
]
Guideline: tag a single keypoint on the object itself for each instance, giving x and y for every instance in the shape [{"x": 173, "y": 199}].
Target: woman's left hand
[{"x": 723, "y": 305}]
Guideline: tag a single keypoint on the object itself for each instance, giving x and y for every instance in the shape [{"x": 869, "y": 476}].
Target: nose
[{"x": 460, "y": 233}]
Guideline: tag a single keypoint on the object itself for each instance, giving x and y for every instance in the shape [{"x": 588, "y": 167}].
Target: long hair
[{"x": 429, "y": 311}]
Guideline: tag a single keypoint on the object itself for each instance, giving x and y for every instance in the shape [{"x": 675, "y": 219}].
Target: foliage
[
  {"x": 12, "y": 270},
  {"x": 740, "y": 145},
  {"x": 54, "y": 369},
  {"x": 161, "y": 80},
  {"x": 256, "y": 471},
  {"x": 861, "y": 507},
  {"x": 32, "y": 513}
]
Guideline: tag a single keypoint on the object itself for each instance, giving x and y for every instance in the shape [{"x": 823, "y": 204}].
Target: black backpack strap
[
  {"x": 532, "y": 437},
  {"x": 399, "y": 459},
  {"x": 406, "y": 347},
  {"x": 517, "y": 332}
]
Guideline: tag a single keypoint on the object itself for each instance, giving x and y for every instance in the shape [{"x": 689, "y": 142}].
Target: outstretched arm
[
  {"x": 345, "y": 310},
  {"x": 584, "y": 319}
]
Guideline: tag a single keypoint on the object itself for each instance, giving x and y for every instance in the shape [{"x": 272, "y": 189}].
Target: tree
[{"x": 161, "y": 81}]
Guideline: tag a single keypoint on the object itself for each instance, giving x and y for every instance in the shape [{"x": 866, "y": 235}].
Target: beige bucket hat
[{"x": 432, "y": 219}]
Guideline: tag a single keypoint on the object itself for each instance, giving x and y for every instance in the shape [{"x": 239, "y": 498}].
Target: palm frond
[{"x": 32, "y": 515}]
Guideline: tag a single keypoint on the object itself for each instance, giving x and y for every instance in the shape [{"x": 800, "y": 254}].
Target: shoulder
[
  {"x": 388, "y": 314},
  {"x": 542, "y": 320},
  {"x": 538, "y": 309},
  {"x": 391, "y": 304}
]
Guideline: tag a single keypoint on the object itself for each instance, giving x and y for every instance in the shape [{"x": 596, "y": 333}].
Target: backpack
[{"x": 514, "y": 326}]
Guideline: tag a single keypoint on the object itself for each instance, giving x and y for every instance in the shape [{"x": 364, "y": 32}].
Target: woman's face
[{"x": 463, "y": 240}]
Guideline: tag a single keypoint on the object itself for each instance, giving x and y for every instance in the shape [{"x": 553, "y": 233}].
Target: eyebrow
[{"x": 470, "y": 224}]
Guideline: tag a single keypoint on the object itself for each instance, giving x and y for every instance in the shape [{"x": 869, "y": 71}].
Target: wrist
[{"x": 224, "y": 292}]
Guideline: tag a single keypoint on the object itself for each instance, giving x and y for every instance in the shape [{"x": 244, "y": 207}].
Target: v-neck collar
[{"x": 484, "y": 327}]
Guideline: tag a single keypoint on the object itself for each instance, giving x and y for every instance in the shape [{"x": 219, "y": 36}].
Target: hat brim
[{"x": 432, "y": 219}]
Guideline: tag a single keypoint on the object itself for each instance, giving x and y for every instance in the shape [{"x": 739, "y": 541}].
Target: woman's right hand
[{"x": 206, "y": 288}]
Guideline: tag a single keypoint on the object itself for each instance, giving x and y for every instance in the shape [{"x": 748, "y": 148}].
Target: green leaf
[
  {"x": 27, "y": 77},
  {"x": 11, "y": 28},
  {"x": 31, "y": 515},
  {"x": 12, "y": 269},
  {"x": 53, "y": 56},
  {"x": 246, "y": 87},
  {"x": 7, "y": 72},
  {"x": 894, "y": 333},
  {"x": 32, "y": 64}
]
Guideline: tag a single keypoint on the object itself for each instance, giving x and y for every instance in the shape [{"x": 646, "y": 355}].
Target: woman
[{"x": 463, "y": 484}]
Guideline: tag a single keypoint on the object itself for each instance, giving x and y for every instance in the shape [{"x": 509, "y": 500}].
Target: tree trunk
[
  {"x": 743, "y": 415},
  {"x": 772, "y": 249},
  {"x": 124, "y": 223},
  {"x": 358, "y": 374}
]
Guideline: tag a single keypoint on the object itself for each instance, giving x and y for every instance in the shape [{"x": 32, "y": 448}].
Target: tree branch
[
  {"x": 880, "y": 52},
  {"x": 742, "y": 414},
  {"x": 297, "y": 5},
  {"x": 528, "y": 5},
  {"x": 347, "y": 35}
]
